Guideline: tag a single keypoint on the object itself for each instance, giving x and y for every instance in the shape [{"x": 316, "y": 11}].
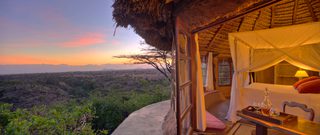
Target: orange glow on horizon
[
  {"x": 85, "y": 57},
  {"x": 71, "y": 60}
]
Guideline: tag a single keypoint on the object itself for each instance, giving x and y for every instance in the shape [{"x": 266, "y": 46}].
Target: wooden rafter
[
  {"x": 211, "y": 32},
  {"x": 314, "y": 18},
  {"x": 216, "y": 33},
  {"x": 255, "y": 7},
  {"x": 294, "y": 15},
  {"x": 255, "y": 21},
  {"x": 225, "y": 51},
  {"x": 239, "y": 26},
  {"x": 272, "y": 16},
  {"x": 218, "y": 48}
]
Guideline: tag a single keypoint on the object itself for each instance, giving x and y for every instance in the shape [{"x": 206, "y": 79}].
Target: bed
[{"x": 254, "y": 93}]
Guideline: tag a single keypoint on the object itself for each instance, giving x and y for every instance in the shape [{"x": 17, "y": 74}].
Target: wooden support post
[
  {"x": 194, "y": 80},
  {"x": 177, "y": 76}
]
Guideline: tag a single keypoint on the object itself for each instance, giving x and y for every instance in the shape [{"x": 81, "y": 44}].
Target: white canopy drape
[
  {"x": 201, "y": 110},
  {"x": 258, "y": 50},
  {"x": 209, "y": 80}
]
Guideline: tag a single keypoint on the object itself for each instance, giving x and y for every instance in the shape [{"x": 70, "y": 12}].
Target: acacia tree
[{"x": 159, "y": 59}]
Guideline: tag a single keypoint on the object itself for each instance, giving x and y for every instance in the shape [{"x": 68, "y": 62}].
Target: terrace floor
[{"x": 149, "y": 120}]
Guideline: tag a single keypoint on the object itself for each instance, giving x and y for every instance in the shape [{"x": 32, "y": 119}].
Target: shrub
[
  {"x": 111, "y": 110},
  {"x": 68, "y": 119}
]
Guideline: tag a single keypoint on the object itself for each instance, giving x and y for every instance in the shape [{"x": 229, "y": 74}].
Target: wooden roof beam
[
  {"x": 216, "y": 50},
  {"x": 255, "y": 21},
  {"x": 221, "y": 47},
  {"x": 216, "y": 33},
  {"x": 272, "y": 16},
  {"x": 294, "y": 15},
  {"x": 314, "y": 18},
  {"x": 239, "y": 26},
  {"x": 254, "y": 7}
]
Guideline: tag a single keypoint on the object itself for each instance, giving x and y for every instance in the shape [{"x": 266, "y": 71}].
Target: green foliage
[
  {"x": 111, "y": 110},
  {"x": 5, "y": 115},
  {"x": 99, "y": 113},
  {"x": 68, "y": 119},
  {"x": 75, "y": 103}
]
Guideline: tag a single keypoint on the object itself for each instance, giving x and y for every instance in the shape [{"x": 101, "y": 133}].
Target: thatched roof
[
  {"x": 151, "y": 19},
  {"x": 212, "y": 19},
  {"x": 214, "y": 37}
]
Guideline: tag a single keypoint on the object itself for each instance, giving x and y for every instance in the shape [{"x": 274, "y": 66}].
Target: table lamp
[{"x": 301, "y": 73}]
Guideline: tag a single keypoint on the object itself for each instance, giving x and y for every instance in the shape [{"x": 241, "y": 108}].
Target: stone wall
[
  {"x": 145, "y": 121},
  {"x": 169, "y": 126}
]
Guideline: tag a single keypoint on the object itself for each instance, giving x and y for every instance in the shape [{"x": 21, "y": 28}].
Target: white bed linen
[{"x": 278, "y": 94}]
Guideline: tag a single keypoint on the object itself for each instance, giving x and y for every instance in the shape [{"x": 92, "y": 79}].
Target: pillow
[
  {"x": 296, "y": 85},
  {"x": 213, "y": 122},
  {"x": 312, "y": 86}
]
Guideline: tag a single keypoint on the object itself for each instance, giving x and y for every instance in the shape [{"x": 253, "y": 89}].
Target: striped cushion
[{"x": 296, "y": 85}]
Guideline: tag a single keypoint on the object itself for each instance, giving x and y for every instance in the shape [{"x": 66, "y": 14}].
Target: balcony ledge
[{"x": 145, "y": 121}]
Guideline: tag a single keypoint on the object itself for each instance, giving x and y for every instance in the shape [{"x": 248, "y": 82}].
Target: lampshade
[{"x": 301, "y": 73}]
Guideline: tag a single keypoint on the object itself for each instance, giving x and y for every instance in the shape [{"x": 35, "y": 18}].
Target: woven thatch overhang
[
  {"x": 151, "y": 19},
  {"x": 213, "y": 36},
  {"x": 212, "y": 19}
]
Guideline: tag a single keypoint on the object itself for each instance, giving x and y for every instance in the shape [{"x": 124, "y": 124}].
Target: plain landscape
[
  {"x": 76, "y": 102},
  {"x": 50, "y": 68}
]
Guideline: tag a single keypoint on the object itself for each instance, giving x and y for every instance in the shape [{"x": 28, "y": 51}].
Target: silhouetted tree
[{"x": 159, "y": 59}]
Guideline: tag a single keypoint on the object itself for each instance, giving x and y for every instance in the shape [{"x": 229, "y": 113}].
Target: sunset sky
[{"x": 73, "y": 32}]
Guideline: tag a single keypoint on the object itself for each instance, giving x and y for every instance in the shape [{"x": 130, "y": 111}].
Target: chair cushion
[
  {"x": 312, "y": 86},
  {"x": 296, "y": 85},
  {"x": 213, "y": 122}
]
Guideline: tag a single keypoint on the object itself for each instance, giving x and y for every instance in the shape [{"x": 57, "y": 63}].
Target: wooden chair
[{"x": 299, "y": 105}]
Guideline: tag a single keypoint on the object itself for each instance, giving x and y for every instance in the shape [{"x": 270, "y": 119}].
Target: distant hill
[{"x": 46, "y": 68}]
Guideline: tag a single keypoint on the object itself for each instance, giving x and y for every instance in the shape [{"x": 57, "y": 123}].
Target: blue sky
[{"x": 74, "y": 32}]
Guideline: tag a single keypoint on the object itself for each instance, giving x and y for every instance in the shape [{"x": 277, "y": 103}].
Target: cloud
[{"x": 85, "y": 40}]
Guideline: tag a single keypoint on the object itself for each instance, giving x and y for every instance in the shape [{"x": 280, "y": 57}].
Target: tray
[{"x": 280, "y": 120}]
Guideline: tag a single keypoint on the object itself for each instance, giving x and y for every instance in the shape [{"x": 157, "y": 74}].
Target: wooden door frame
[{"x": 180, "y": 28}]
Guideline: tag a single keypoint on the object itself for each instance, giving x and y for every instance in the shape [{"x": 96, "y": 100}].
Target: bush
[
  {"x": 111, "y": 110},
  {"x": 96, "y": 115},
  {"x": 97, "y": 101},
  {"x": 42, "y": 120}
]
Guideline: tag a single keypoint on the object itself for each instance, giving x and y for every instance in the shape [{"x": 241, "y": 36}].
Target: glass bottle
[{"x": 266, "y": 104}]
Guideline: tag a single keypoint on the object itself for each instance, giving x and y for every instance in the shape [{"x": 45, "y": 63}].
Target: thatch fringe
[{"x": 151, "y": 19}]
